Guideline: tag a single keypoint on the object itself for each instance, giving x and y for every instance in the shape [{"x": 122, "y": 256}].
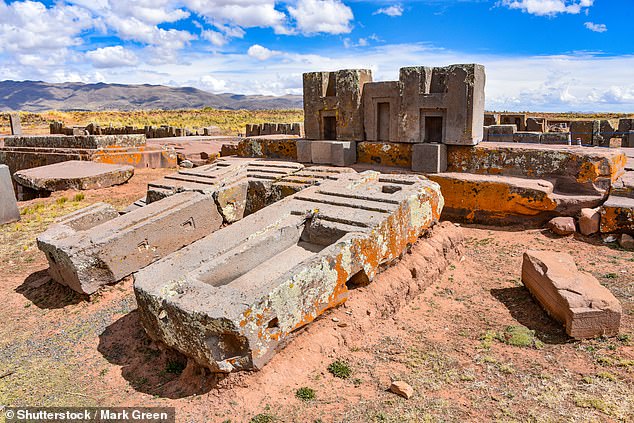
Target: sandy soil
[{"x": 58, "y": 348}]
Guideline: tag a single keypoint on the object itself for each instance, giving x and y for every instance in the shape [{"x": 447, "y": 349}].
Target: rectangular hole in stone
[
  {"x": 433, "y": 129},
  {"x": 330, "y": 127}
]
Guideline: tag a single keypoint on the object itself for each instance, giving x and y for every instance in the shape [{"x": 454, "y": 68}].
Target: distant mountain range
[{"x": 37, "y": 96}]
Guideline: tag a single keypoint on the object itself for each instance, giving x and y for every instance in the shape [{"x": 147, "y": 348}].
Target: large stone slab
[
  {"x": 230, "y": 300},
  {"x": 94, "y": 247},
  {"x": 571, "y": 169},
  {"x": 8, "y": 207},
  {"x": 71, "y": 141},
  {"x": 506, "y": 200},
  {"x": 14, "y": 122},
  {"x": 74, "y": 174},
  {"x": 575, "y": 298}
]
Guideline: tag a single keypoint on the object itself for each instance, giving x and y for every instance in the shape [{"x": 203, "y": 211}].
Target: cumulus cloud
[
  {"x": 547, "y": 7},
  {"x": 261, "y": 53},
  {"x": 321, "y": 16},
  {"x": 596, "y": 27},
  {"x": 393, "y": 11},
  {"x": 112, "y": 57}
]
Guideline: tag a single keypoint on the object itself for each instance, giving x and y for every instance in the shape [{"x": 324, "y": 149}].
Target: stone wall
[
  {"x": 256, "y": 130},
  {"x": 163, "y": 131}
]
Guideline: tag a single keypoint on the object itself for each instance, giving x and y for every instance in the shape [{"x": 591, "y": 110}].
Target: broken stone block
[
  {"x": 534, "y": 124},
  {"x": 14, "y": 122},
  {"x": 230, "y": 300},
  {"x": 575, "y": 298},
  {"x": 502, "y": 133},
  {"x": 429, "y": 158},
  {"x": 85, "y": 257},
  {"x": 8, "y": 206},
  {"x": 402, "y": 389},
  {"x": 617, "y": 215},
  {"x": 626, "y": 241},
  {"x": 589, "y": 221},
  {"x": 304, "y": 154},
  {"x": 562, "y": 225},
  {"x": 73, "y": 174}
]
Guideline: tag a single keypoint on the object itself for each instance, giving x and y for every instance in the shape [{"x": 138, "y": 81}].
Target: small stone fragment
[
  {"x": 626, "y": 241},
  {"x": 187, "y": 164},
  {"x": 589, "y": 221},
  {"x": 562, "y": 225},
  {"x": 402, "y": 388}
]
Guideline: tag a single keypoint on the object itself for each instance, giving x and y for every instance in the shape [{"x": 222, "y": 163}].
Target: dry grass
[{"x": 230, "y": 121}]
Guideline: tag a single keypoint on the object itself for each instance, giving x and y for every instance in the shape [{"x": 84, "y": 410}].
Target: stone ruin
[
  {"x": 231, "y": 258},
  {"x": 163, "y": 131},
  {"x": 426, "y": 109},
  {"x": 255, "y": 130}
]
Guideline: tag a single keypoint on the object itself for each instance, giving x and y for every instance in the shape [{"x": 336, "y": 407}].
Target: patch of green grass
[
  {"x": 340, "y": 369},
  {"x": 79, "y": 197},
  {"x": 486, "y": 340},
  {"x": 611, "y": 276},
  {"x": 607, "y": 376},
  {"x": 61, "y": 200},
  {"x": 605, "y": 361},
  {"x": 520, "y": 336},
  {"x": 263, "y": 418},
  {"x": 306, "y": 394}
]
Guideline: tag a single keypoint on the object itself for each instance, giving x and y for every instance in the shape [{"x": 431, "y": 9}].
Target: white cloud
[
  {"x": 596, "y": 27},
  {"x": 548, "y": 7},
  {"x": 112, "y": 57},
  {"x": 261, "y": 53},
  {"x": 243, "y": 13},
  {"x": 393, "y": 11},
  {"x": 321, "y": 16}
]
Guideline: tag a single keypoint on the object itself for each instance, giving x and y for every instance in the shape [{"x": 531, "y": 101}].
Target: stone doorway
[
  {"x": 383, "y": 121},
  {"x": 330, "y": 127}
]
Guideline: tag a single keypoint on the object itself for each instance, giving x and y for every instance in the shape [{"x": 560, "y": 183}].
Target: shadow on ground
[
  {"x": 44, "y": 292},
  {"x": 148, "y": 367},
  {"x": 527, "y": 312}
]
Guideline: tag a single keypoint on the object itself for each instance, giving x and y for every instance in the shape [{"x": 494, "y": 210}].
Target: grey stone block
[
  {"x": 501, "y": 133},
  {"x": 527, "y": 137},
  {"x": 429, "y": 158},
  {"x": 8, "y": 206},
  {"x": 14, "y": 122},
  {"x": 337, "y": 153},
  {"x": 563, "y": 138},
  {"x": 304, "y": 154}
]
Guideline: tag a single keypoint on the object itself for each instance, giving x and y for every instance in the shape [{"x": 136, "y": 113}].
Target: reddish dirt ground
[{"x": 60, "y": 349}]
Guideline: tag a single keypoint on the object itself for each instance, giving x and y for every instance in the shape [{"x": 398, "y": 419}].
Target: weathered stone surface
[
  {"x": 571, "y": 169},
  {"x": 527, "y": 137},
  {"x": 390, "y": 154},
  {"x": 517, "y": 119},
  {"x": 562, "y": 225},
  {"x": 491, "y": 119},
  {"x": 336, "y": 153},
  {"x": 589, "y": 221},
  {"x": 574, "y": 298},
  {"x": 626, "y": 241},
  {"x": 501, "y": 133},
  {"x": 402, "y": 389},
  {"x": 14, "y": 123},
  {"x": 492, "y": 199},
  {"x": 231, "y": 299},
  {"x": 582, "y": 130},
  {"x": 562, "y": 138},
  {"x": 8, "y": 207},
  {"x": 534, "y": 124},
  {"x": 617, "y": 215},
  {"x": 336, "y": 97},
  {"x": 102, "y": 249},
  {"x": 429, "y": 158},
  {"x": 624, "y": 186},
  {"x": 69, "y": 141},
  {"x": 80, "y": 175},
  {"x": 270, "y": 147}
]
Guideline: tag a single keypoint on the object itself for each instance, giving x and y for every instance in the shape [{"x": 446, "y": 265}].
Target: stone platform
[
  {"x": 73, "y": 174},
  {"x": 232, "y": 298}
]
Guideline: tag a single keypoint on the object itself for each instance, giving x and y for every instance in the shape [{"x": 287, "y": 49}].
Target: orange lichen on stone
[
  {"x": 485, "y": 199},
  {"x": 617, "y": 215},
  {"x": 385, "y": 153},
  {"x": 271, "y": 147}
]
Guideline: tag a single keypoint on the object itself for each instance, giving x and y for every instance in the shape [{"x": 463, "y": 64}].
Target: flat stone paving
[{"x": 231, "y": 299}]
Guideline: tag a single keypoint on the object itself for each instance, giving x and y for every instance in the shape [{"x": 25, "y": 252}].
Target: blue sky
[{"x": 540, "y": 55}]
